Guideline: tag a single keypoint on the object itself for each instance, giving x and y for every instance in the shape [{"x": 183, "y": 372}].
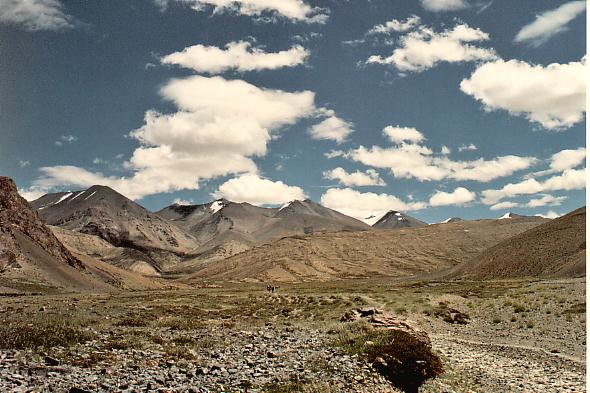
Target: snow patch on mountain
[{"x": 216, "y": 206}]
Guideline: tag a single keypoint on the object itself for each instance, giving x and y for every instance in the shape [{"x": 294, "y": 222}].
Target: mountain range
[{"x": 106, "y": 240}]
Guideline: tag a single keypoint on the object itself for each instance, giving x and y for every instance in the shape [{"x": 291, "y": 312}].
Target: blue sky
[{"x": 436, "y": 107}]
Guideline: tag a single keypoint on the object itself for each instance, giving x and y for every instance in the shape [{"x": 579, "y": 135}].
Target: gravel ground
[{"x": 252, "y": 358}]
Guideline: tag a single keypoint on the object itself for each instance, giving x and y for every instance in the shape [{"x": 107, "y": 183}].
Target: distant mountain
[
  {"x": 153, "y": 244},
  {"x": 242, "y": 225},
  {"x": 103, "y": 212},
  {"x": 557, "y": 248},
  {"x": 394, "y": 219},
  {"x": 510, "y": 215},
  {"x": 362, "y": 254},
  {"x": 306, "y": 217}
]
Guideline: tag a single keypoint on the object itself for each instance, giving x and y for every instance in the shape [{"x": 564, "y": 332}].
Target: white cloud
[
  {"x": 332, "y": 128},
  {"x": 417, "y": 161},
  {"x": 550, "y": 214},
  {"x": 31, "y": 194},
  {"x": 258, "y": 191},
  {"x": 219, "y": 126},
  {"x": 444, "y": 5},
  {"x": 471, "y": 146},
  {"x": 24, "y": 163},
  {"x": 395, "y": 25},
  {"x": 570, "y": 179},
  {"x": 550, "y": 23},
  {"x": 546, "y": 200},
  {"x": 565, "y": 159},
  {"x": 445, "y": 150},
  {"x": 363, "y": 205},
  {"x": 504, "y": 205},
  {"x": 66, "y": 139},
  {"x": 294, "y": 10},
  {"x": 368, "y": 178},
  {"x": 240, "y": 56},
  {"x": 460, "y": 196},
  {"x": 334, "y": 153},
  {"x": 423, "y": 48},
  {"x": 182, "y": 202},
  {"x": 399, "y": 134},
  {"x": 553, "y": 96},
  {"x": 35, "y": 15}
]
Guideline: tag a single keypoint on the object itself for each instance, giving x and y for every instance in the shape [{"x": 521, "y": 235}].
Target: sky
[{"x": 438, "y": 108}]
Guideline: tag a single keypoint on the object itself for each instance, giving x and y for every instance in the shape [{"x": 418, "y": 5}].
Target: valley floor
[{"x": 521, "y": 336}]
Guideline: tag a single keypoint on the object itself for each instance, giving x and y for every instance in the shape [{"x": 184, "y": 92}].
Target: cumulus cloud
[
  {"x": 418, "y": 161},
  {"x": 182, "y": 202},
  {"x": 424, "y": 48},
  {"x": 550, "y": 214},
  {"x": 546, "y": 200},
  {"x": 504, "y": 205},
  {"x": 35, "y": 15},
  {"x": 239, "y": 56},
  {"x": 399, "y": 134},
  {"x": 334, "y": 153},
  {"x": 444, "y": 5},
  {"x": 219, "y": 126},
  {"x": 395, "y": 25},
  {"x": 368, "y": 178},
  {"x": 445, "y": 150},
  {"x": 31, "y": 194},
  {"x": 332, "y": 128},
  {"x": 365, "y": 206},
  {"x": 570, "y": 179},
  {"x": 471, "y": 146},
  {"x": 550, "y": 23},
  {"x": 552, "y": 96},
  {"x": 460, "y": 196},
  {"x": 565, "y": 159},
  {"x": 258, "y": 191},
  {"x": 294, "y": 10}
]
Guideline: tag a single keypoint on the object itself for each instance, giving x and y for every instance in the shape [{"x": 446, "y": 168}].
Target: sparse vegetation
[
  {"x": 402, "y": 358},
  {"x": 40, "y": 333}
]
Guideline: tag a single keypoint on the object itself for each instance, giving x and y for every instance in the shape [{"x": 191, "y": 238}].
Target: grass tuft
[{"x": 402, "y": 358}]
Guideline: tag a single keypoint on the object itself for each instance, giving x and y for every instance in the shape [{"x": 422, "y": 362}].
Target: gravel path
[{"x": 504, "y": 368}]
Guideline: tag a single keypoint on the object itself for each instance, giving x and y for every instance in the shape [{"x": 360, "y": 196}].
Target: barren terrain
[
  {"x": 342, "y": 255},
  {"x": 521, "y": 335}
]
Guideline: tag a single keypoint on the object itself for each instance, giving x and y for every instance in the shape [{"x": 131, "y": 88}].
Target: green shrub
[
  {"x": 44, "y": 333},
  {"x": 402, "y": 358}
]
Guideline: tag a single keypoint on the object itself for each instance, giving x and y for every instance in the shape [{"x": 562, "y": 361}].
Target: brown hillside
[
  {"x": 555, "y": 249},
  {"x": 400, "y": 252},
  {"x": 33, "y": 259}
]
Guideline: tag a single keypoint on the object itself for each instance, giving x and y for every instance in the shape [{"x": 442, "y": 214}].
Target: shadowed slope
[{"x": 555, "y": 249}]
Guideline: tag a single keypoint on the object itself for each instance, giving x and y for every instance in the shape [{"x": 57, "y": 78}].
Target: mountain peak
[
  {"x": 394, "y": 219},
  {"x": 509, "y": 215}
]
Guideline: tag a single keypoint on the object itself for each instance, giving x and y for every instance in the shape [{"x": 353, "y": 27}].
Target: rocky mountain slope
[
  {"x": 104, "y": 212},
  {"x": 20, "y": 224},
  {"x": 145, "y": 241},
  {"x": 394, "y": 219},
  {"x": 555, "y": 249},
  {"x": 32, "y": 258},
  {"x": 341, "y": 255},
  {"x": 224, "y": 228}
]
